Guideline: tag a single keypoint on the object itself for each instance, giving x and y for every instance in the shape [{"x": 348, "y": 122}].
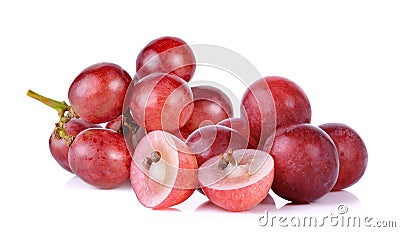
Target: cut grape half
[
  {"x": 238, "y": 180},
  {"x": 163, "y": 170}
]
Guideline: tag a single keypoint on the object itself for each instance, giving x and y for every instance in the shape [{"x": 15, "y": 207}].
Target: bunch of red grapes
[{"x": 169, "y": 138}]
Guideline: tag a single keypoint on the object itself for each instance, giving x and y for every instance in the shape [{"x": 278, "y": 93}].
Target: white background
[{"x": 344, "y": 54}]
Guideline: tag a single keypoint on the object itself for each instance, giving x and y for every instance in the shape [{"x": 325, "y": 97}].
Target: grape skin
[
  {"x": 100, "y": 158},
  {"x": 97, "y": 93},
  {"x": 59, "y": 147}
]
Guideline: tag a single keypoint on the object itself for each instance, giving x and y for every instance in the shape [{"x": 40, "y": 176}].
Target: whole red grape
[
  {"x": 97, "y": 93},
  {"x": 59, "y": 147},
  {"x": 353, "y": 155},
  {"x": 274, "y": 101},
  {"x": 213, "y": 140},
  {"x": 306, "y": 163},
  {"x": 291, "y": 103},
  {"x": 241, "y": 126},
  {"x": 211, "y": 106},
  {"x": 100, "y": 158},
  {"x": 161, "y": 102},
  {"x": 258, "y": 109},
  {"x": 166, "y": 55}
]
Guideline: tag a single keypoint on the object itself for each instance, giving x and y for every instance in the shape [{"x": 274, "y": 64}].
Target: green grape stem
[
  {"x": 65, "y": 113},
  {"x": 60, "y": 106}
]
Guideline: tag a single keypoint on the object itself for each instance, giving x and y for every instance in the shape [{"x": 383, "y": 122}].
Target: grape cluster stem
[{"x": 65, "y": 113}]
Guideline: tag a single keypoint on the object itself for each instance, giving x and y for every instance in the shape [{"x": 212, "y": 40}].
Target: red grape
[
  {"x": 291, "y": 103},
  {"x": 100, "y": 158},
  {"x": 59, "y": 147},
  {"x": 353, "y": 155},
  {"x": 239, "y": 180},
  {"x": 213, "y": 140},
  {"x": 166, "y": 55},
  {"x": 241, "y": 126},
  {"x": 211, "y": 106},
  {"x": 161, "y": 102},
  {"x": 274, "y": 101},
  {"x": 258, "y": 109},
  {"x": 306, "y": 163},
  {"x": 97, "y": 93},
  {"x": 163, "y": 170}
]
